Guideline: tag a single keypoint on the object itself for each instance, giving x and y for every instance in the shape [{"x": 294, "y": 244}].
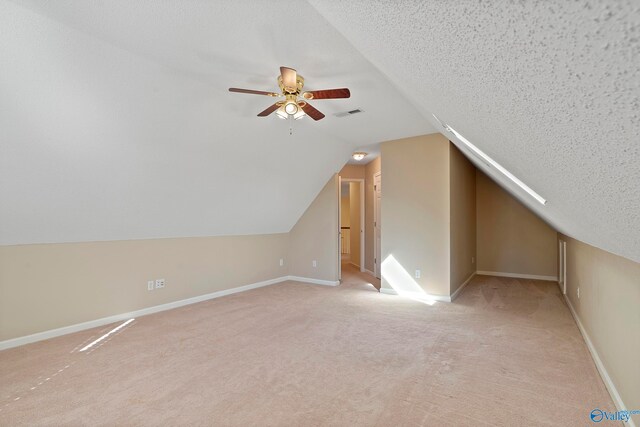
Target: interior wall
[
  {"x": 345, "y": 214},
  {"x": 315, "y": 237},
  {"x": 48, "y": 286},
  {"x": 510, "y": 237},
  {"x": 462, "y": 178},
  {"x": 352, "y": 172},
  {"x": 609, "y": 310},
  {"x": 355, "y": 221},
  {"x": 370, "y": 169},
  {"x": 415, "y": 210}
]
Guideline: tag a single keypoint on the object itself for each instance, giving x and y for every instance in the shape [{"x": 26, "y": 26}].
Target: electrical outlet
[
  {"x": 417, "y": 274},
  {"x": 159, "y": 283},
  {"x": 281, "y": 262},
  {"x": 578, "y": 293},
  {"x": 314, "y": 263},
  {"x": 150, "y": 285},
  {"x": 473, "y": 260}
]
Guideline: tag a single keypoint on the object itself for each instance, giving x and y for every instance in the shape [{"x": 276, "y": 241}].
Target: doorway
[
  {"x": 377, "y": 227},
  {"x": 351, "y": 233}
]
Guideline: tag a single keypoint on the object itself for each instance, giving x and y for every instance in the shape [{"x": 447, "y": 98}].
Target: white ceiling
[
  {"x": 116, "y": 122},
  {"x": 548, "y": 89}
]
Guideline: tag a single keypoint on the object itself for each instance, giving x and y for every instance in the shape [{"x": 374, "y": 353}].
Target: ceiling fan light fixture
[
  {"x": 300, "y": 114},
  {"x": 291, "y": 108},
  {"x": 358, "y": 155},
  {"x": 281, "y": 113}
]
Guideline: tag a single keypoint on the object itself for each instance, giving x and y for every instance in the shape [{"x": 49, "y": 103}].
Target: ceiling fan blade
[
  {"x": 269, "y": 110},
  {"x": 327, "y": 94},
  {"x": 253, "y": 92},
  {"x": 312, "y": 112},
  {"x": 289, "y": 78}
]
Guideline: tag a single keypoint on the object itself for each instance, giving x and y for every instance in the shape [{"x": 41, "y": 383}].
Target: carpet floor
[{"x": 506, "y": 352}]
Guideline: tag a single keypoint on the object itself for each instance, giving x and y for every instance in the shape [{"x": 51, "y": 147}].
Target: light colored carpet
[{"x": 506, "y": 352}]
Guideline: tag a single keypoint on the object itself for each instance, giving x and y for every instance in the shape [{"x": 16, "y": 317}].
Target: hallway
[{"x": 352, "y": 277}]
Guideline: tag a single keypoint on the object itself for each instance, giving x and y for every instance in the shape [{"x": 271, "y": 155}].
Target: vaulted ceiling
[{"x": 116, "y": 123}]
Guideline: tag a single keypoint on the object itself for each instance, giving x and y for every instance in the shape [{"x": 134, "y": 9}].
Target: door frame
[
  {"x": 562, "y": 266},
  {"x": 376, "y": 221},
  {"x": 362, "y": 248},
  {"x": 339, "y": 234}
]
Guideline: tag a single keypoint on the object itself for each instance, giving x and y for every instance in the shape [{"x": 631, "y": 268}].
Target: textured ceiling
[
  {"x": 116, "y": 122},
  {"x": 548, "y": 89}
]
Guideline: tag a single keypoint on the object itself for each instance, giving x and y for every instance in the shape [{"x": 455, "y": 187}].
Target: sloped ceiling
[
  {"x": 550, "y": 90},
  {"x": 116, "y": 122}
]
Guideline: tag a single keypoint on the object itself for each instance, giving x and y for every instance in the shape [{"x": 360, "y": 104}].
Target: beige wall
[
  {"x": 609, "y": 310},
  {"x": 370, "y": 169},
  {"x": 315, "y": 237},
  {"x": 462, "y": 177},
  {"x": 345, "y": 214},
  {"x": 415, "y": 210},
  {"x": 49, "y": 286},
  {"x": 511, "y": 238},
  {"x": 355, "y": 221},
  {"x": 352, "y": 172}
]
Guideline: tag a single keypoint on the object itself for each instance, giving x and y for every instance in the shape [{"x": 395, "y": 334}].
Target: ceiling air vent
[{"x": 348, "y": 113}]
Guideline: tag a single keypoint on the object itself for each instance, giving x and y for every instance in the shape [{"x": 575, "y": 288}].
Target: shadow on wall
[{"x": 402, "y": 282}]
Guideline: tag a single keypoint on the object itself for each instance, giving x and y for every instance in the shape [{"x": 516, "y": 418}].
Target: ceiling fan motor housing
[{"x": 291, "y": 90}]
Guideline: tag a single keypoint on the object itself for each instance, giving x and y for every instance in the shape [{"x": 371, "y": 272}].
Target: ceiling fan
[{"x": 295, "y": 105}]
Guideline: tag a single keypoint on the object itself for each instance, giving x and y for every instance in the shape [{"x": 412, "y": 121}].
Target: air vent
[{"x": 348, "y": 113}]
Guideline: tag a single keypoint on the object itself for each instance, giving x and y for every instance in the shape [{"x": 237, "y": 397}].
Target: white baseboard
[
  {"x": 355, "y": 265},
  {"x": 314, "y": 281},
  {"x": 15, "y": 342},
  {"x": 517, "y": 275},
  {"x": 466, "y": 282},
  {"x": 615, "y": 396},
  {"x": 453, "y": 296}
]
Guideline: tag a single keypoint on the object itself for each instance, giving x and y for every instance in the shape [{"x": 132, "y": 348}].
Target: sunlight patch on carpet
[{"x": 402, "y": 282}]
